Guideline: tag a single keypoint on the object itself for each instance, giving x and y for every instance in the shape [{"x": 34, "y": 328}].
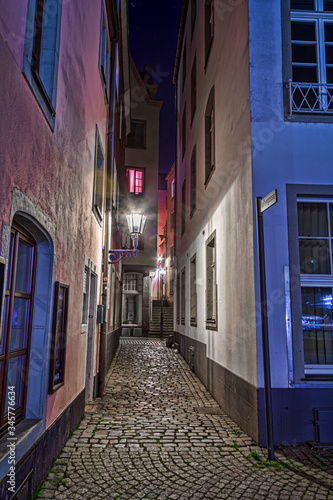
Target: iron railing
[{"x": 310, "y": 98}]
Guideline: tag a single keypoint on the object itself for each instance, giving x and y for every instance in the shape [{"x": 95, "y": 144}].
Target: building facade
[
  {"x": 60, "y": 99},
  {"x": 254, "y": 114},
  {"x": 139, "y": 194}
]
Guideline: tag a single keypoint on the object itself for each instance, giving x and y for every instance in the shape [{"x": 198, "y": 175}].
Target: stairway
[{"x": 155, "y": 324}]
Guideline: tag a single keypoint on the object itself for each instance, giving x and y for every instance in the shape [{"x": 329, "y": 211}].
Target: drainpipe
[{"x": 108, "y": 224}]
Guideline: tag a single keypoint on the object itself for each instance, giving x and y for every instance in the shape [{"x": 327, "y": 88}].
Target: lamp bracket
[{"x": 116, "y": 255}]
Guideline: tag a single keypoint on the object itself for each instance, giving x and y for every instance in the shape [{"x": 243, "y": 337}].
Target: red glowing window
[{"x": 135, "y": 180}]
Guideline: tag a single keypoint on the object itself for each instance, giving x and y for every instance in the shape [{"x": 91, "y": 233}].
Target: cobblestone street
[{"x": 157, "y": 433}]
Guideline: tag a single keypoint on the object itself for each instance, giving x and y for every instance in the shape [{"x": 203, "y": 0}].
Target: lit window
[{"x": 135, "y": 181}]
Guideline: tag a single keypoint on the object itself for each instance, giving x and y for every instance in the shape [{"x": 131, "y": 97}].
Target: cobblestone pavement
[{"x": 157, "y": 433}]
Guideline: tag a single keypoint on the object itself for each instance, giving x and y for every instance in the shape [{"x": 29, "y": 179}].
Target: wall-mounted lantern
[{"x": 136, "y": 224}]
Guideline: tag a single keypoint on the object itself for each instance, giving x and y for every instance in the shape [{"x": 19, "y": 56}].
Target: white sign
[{"x": 268, "y": 201}]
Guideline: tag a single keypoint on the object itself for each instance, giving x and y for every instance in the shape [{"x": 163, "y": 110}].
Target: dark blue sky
[{"x": 153, "y": 32}]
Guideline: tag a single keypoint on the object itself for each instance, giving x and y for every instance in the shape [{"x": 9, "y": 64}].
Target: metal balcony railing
[{"x": 310, "y": 98}]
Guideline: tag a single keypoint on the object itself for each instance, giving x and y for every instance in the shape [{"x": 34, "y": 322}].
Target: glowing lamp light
[{"x": 136, "y": 224}]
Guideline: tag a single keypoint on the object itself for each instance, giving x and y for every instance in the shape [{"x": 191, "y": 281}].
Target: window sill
[
  {"x": 211, "y": 325},
  {"x": 309, "y": 118},
  {"x": 56, "y": 387},
  {"x": 33, "y": 79},
  {"x": 193, "y": 323},
  {"x": 98, "y": 215},
  {"x": 136, "y": 147}
]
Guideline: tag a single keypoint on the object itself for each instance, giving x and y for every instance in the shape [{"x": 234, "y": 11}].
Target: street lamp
[
  {"x": 162, "y": 275},
  {"x": 136, "y": 224}
]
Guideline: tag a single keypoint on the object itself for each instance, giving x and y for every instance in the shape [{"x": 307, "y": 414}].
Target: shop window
[{"x": 59, "y": 333}]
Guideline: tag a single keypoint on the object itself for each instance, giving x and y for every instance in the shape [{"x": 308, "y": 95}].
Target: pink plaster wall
[{"x": 55, "y": 169}]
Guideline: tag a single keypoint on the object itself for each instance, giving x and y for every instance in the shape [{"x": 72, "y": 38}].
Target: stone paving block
[{"x": 147, "y": 439}]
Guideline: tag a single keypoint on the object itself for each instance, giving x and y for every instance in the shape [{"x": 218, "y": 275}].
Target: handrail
[{"x": 315, "y": 98}]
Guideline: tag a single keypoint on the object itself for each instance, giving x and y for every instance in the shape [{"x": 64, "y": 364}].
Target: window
[
  {"x": 211, "y": 287},
  {"x": 193, "y": 15},
  {"x": 171, "y": 288},
  {"x": 137, "y": 137},
  {"x": 172, "y": 220},
  {"x": 98, "y": 178},
  {"x": 183, "y": 301},
  {"x": 16, "y": 325},
  {"x": 85, "y": 296},
  {"x": 184, "y": 65},
  {"x": 178, "y": 298},
  {"x": 130, "y": 282},
  {"x": 194, "y": 87},
  {"x": 172, "y": 255},
  {"x": 172, "y": 188},
  {"x": 311, "y": 89},
  {"x": 104, "y": 56},
  {"x": 41, "y": 53},
  {"x": 183, "y": 208},
  {"x": 184, "y": 132},
  {"x": 315, "y": 238},
  {"x": 59, "y": 331},
  {"x": 193, "y": 179},
  {"x": 210, "y": 136},
  {"x": 193, "y": 304},
  {"x": 135, "y": 181},
  {"x": 209, "y": 27}
]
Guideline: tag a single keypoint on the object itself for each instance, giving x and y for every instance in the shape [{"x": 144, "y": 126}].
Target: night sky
[{"x": 153, "y": 32}]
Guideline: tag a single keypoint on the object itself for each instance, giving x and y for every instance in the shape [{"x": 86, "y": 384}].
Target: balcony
[{"x": 306, "y": 98}]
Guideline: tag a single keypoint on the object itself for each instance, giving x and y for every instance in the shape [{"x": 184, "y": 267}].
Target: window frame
[
  {"x": 99, "y": 181},
  {"x": 104, "y": 55},
  {"x": 183, "y": 296},
  {"x": 172, "y": 188},
  {"x": 193, "y": 88},
  {"x": 210, "y": 159},
  {"x": 183, "y": 212},
  {"x": 209, "y": 28},
  {"x": 211, "y": 319},
  {"x": 193, "y": 181},
  {"x": 143, "y": 171},
  {"x": 135, "y": 144},
  {"x": 17, "y": 234},
  {"x": 31, "y": 71},
  {"x": 193, "y": 289},
  {"x": 289, "y": 15},
  {"x": 63, "y": 340},
  {"x": 296, "y": 193}
]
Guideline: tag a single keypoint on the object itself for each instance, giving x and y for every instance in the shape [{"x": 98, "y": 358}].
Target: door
[{"x": 91, "y": 340}]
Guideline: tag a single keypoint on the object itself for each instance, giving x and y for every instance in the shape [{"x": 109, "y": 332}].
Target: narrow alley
[{"x": 157, "y": 433}]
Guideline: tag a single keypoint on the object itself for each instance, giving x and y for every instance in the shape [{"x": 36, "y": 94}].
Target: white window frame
[{"x": 318, "y": 280}]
